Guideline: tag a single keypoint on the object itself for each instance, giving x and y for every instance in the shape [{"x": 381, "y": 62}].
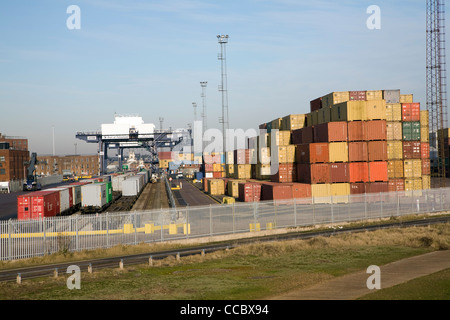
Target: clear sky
[{"x": 149, "y": 57}]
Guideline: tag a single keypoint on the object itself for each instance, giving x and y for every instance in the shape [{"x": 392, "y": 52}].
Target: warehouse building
[
  {"x": 13, "y": 153},
  {"x": 77, "y": 165}
]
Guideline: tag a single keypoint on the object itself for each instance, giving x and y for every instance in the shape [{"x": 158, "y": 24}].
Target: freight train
[{"x": 87, "y": 196}]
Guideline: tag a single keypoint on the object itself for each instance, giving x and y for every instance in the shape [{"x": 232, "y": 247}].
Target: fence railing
[{"x": 24, "y": 239}]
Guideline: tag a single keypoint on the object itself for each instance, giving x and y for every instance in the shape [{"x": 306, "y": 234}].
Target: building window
[
  {"x": 2, "y": 158},
  {"x": 2, "y": 171}
]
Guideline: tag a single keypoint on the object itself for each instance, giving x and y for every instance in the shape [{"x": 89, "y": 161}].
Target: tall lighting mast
[
  {"x": 437, "y": 82},
  {"x": 223, "y": 40}
]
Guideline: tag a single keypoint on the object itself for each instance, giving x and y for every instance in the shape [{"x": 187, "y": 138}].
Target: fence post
[
  {"x": 107, "y": 230},
  {"x": 365, "y": 205},
  {"x": 76, "y": 234},
  {"x": 295, "y": 213},
  {"x": 381, "y": 207},
  {"x": 188, "y": 228},
  {"x": 234, "y": 212},
  {"x": 45, "y": 240},
  {"x": 9, "y": 239},
  {"x": 398, "y": 204},
  {"x": 210, "y": 220},
  {"x": 135, "y": 228},
  {"x": 332, "y": 213}
]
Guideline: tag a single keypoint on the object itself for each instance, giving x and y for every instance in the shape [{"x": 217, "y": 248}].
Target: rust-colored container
[
  {"x": 205, "y": 184},
  {"x": 358, "y": 188},
  {"x": 426, "y": 167},
  {"x": 331, "y": 132},
  {"x": 395, "y": 169},
  {"x": 410, "y": 112},
  {"x": 357, "y": 151},
  {"x": 377, "y": 187},
  {"x": 357, "y": 95},
  {"x": 209, "y": 167},
  {"x": 303, "y": 135},
  {"x": 166, "y": 155},
  {"x": 287, "y": 172},
  {"x": 375, "y": 130},
  {"x": 358, "y": 171},
  {"x": 411, "y": 150},
  {"x": 312, "y": 153},
  {"x": 396, "y": 185},
  {"x": 377, "y": 150},
  {"x": 315, "y": 104},
  {"x": 339, "y": 172},
  {"x": 218, "y": 174},
  {"x": 301, "y": 190},
  {"x": 378, "y": 171},
  {"x": 355, "y": 130},
  {"x": 276, "y": 191},
  {"x": 424, "y": 150},
  {"x": 313, "y": 173},
  {"x": 249, "y": 192}
]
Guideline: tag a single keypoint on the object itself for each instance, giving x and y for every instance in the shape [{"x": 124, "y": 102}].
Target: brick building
[
  {"x": 79, "y": 165},
  {"x": 13, "y": 154}
]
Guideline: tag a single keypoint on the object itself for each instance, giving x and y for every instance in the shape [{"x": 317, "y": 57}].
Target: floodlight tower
[
  {"x": 437, "y": 81},
  {"x": 203, "y": 95},
  {"x": 194, "y": 104},
  {"x": 161, "y": 121},
  {"x": 223, "y": 40}
]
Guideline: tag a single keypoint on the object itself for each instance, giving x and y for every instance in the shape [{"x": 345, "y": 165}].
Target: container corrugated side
[
  {"x": 340, "y": 192},
  {"x": 412, "y": 168},
  {"x": 65, "y": 198},
  {"x": 94, "y": 195},
  {"x": 357, "y": 151},
  {"x": 391, "y": 96},
  {"x": 411, "y": 130},
  {"x": 338, "y": 152},
  {"x": 394, "y": 150},
  {"x": 377, "y": 150},
  {"x": 313, "y": 173},
  {"x": 378, "y": 171},
  {"x": 312, "y": 153},
  {"x": 395, "y": 169},
  {"x": 396, "y": 185},
  {"x": 335, "y": 98},
  {"x": 424, "y": 134},
  {"x": 321, "y": 192},
  {"x": 293, "y": 122},
  {"x": 406, "y": 98},
  {"x": 356, "y": 130},
  {"x": 349, "y": 111},
  {"x": 358, "y": 172},
  {"x": 394, "y": 130},
  {"x": 339, "y": 172},
  {"x": 376, "y": 110},
  {"x": 413, "y": 184},
  {"x": 393, "y": 112},
  {"x": 323, "y": 115},
  {"x": 426, "y": 182},
  {"x": 424, "y": 118},
  {"x": 331, "y": 132},
  {"x": 374, "y": 95},
  {"x": 375, "y": 130}
]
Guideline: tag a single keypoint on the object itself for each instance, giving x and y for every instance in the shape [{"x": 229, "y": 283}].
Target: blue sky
[{"x": 148, "y": 58}]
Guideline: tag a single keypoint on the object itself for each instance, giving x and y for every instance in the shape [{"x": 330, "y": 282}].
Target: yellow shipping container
[
  {"x": 424, "y": 134},
  {"x": 164, "y": 164},
  {"x": 406, "y": 98},
  {"x": 424, "y": 118},
  {"x": 349, "y": 111},
  {"x": 293, "y": 122},
  {"x": 393, "y": 112},
  {"x": 426, "y": 182},
  {"x": 290, "y": 153},
  {"x": 394, "y": 130},
  {"x": 376, "y": 110},
  {"x": 340, "y": 192},
  {"x": 264, "y": 156},
  {"x": 218, "y": 167},
  {"x": 282, "y": 154},
  {"x": 321, "y": 193},
  {"x": 229, "y": 170},
  {"x": 229, "y": 157},
  {"x": 335, "y": 98},
  {"x": 374, "y": 95},
  {"x": 216, "y": 187},
  {"x": 412, "y": 168},
  {"x": 263, "y": 171},
  {"x": 282, "y": 137},
  {"x": 413, "y": 184},
  {"x": 233, "y": 188},
  {"x": 394, "y": 150},
  {"x": 324, "y": 115},
  {"x": 395, "y": 169},
  {"x": 242, "y": 171},
  {"x": 264, "y": 140},
  {"x": 338, "y": 152}
]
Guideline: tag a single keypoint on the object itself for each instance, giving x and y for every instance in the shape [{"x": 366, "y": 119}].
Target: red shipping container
[
  {"x": 313, "y": 173},
  {"x": 358, "y": 188},
  {"x": 377, "y": 187},
  {"x": 312, "y": 153},
  {"x": 249, "y": 192},
  {"x": 242, "y": 156},
  {"x": 209, "y": 159},
  {"x": 37, "y": 205},
  {"x": 276, "y": 191},
  {"x": 307, "y": 135},
  {"x": 358, "y": 171},
  {"x": 375, "y": 130},
  {"x": 426, "y": 167},
  {"x": 287, "y": 172},
  {"x": 378, "y": 171},
  {"x": 217, "y": 174},
  {"x": 411, "y": 150},
  {"x": 297, "y": 136},
  {"x": 424, "y": 150},
  {"x": 315, "y": 104},
  {"x": 357, "y": 151},
  {"x": 377, "y": 150},
  {"x": 301, "y": 190},
  {"x": 410, "y": 112},
  {"x": 205, "y": 184},
  {"x": 339, "y": 172},
  {"x": 165, "y": 155},
  {"x": 331, "y": 132},
  {"x": 209, "y": 167},
  {"x": 396, "y": 185},
  {"x": 357, "y": 95},
  {"x": 356, "y": 130}
]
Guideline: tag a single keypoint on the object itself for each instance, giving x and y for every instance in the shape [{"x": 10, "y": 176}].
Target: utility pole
[
  {"x": 203, "y": 95},
  {"x": 223, "y": 40}
]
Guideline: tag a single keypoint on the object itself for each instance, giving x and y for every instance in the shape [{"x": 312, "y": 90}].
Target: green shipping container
[
  {"x": 411, "y": 131},
  {"x": 269, "y": 127},
  {"x": 109, "y": 193}
]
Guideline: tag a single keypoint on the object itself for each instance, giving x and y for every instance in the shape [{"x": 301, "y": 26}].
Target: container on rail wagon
[
  {"x": 131, "y": 186},
  {"x": 65, "y": 198},
  {"x": 37, "y": 205},
  {"x": 109, "y": 195},
  {"x": 117, "y": 182},
  {"x": 93, "y": 196}
]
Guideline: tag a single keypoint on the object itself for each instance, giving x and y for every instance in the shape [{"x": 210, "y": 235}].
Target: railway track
[{"x": 113, "y": 262}]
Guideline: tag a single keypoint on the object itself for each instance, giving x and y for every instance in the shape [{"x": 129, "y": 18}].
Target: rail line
[{"x": 113, "y": 262}]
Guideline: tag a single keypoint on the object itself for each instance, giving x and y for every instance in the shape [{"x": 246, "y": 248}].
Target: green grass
[{"x": 255, "y": 271}]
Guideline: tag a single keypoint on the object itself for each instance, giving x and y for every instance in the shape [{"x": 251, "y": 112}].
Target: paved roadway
[{"x": 188, "y": 195}]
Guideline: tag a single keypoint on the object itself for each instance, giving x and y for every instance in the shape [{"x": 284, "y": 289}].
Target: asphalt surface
[{"x": 189, "y": 195}]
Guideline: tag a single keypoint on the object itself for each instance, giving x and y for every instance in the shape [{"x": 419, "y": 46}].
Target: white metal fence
[{"x": 23, "y": 239}]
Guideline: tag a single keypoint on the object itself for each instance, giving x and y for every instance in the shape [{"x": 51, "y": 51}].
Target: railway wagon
[
  {"x": 132, "y": 186},
  {"x": 66, "y": 201}
]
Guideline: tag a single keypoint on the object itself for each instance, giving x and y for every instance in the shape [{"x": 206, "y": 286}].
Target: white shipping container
[
  {"x": 117, "y": 182},
  {"x": 130, "y": 186},
  {"x": 93, "y": 195},
  {"x": 76, "y": 194}
]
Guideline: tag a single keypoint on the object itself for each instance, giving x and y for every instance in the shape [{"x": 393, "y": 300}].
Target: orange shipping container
[
  {"x": 356, "y": 130},
  {"x": 375, "y": 130},
  {"x": 424, "y": 150},
  {"x": 358, "y": 172},
  {"x": 313, "y": 173},
  {"x": 396, "y": 185},
  {"x": 312, "y": 153},
  {"x": 357, "y": 151},
  {"x": 378, "y": 171},
  {"x": 377, "y": 150},
  {"x": 331, "y": 132},
  {"x": 426, "y": 166},
  {"x": 411, "y": 112}
]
